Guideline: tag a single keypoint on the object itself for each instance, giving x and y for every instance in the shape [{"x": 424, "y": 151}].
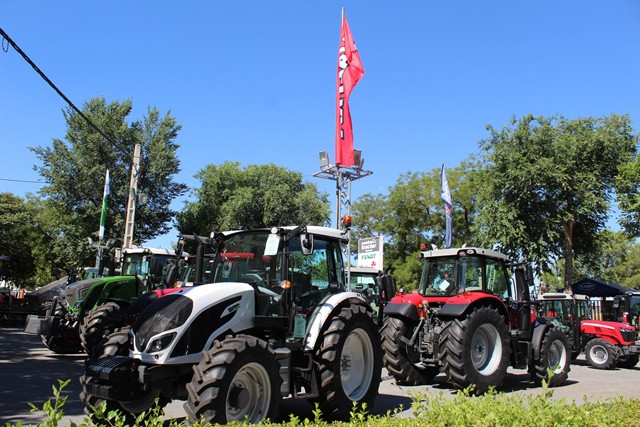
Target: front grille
[
  {"x": 114, "y": 368},
  {"x": 629, "y": 336}
]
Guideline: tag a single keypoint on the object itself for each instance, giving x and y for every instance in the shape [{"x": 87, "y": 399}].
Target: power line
[
  {"x": 22, "y": 180},
  {"x": 37, "y": 70}
]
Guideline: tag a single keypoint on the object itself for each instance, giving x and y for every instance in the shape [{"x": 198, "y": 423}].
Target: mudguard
[
  {"x": 406, "y": 310},
  {"x": 538, "y": 328},
  {"x": 323, "y": 313}
]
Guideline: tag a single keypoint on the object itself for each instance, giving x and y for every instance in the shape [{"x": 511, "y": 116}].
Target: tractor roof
[
  {"x": 364, "y": 270},
  {"x": 332, "y": 233},
  {"x": 555, "y": 296},
  {"x": 455, "y": 252}
]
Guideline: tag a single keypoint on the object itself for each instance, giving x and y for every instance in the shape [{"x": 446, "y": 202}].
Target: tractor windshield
[
  {"x": 242, "y": 259},
  {"x": 450, "y": 275}
]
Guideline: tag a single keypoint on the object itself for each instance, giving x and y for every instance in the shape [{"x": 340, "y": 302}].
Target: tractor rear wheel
[
  {"x": 401, "y": 360},
  {"x": 475, "y": 350},
  {"x": 237, "y": 379},
  {"x": 555, "y": 356},
  {"x": 600, "y": 354},
  {"x": 98, "y": 324},
  {"x": 629, "y": 361},
  {"x": 349, "y": 359}
]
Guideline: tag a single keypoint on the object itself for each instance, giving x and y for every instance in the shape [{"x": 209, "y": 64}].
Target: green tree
[
  {"x": 618, "y": 260},
  {"x": 16, "y": 224},
  {"x": 413, "y": 213},
  {"x": 231, "y": 198},
  {"x": 74, "y": 170},
  {"x": 547, "y": 183}
]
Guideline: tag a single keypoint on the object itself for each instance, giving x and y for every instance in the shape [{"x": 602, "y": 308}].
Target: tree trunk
[{"x": 568, "y": 255}]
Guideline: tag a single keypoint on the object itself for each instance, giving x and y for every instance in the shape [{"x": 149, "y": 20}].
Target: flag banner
[
  {"x": 103, "y": 216},
  {"x": 350, "y": 71},
  {"x": 445, "y": 194}
]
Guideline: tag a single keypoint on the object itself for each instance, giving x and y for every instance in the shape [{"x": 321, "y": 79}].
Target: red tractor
[
  {"x": 471, "y": 318},
  {"x": 605, "y": 344}
]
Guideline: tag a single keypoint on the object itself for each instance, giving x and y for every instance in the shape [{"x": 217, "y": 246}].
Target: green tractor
[{"x": 142, "y": 270}]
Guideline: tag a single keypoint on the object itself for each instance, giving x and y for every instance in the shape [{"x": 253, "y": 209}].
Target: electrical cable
[{"x": 53, "y": 86}]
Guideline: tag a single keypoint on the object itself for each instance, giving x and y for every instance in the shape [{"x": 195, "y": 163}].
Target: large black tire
[
  {"x": 98, "y": 324},
  {"x": 600, "y": 354},
  {"x": 474, "y": 350},
  {"x": 117, "y": 344},
  {"x": 554, "y": 363},
  {"x": 67, "y": 340},
  {"x": 629, "y": 361},
  {"x": 238, "y": 378},
  {"x": 349, "y": 360},
  {"x": 401, "y": 360},
  {"x": 130, "y": 409}
]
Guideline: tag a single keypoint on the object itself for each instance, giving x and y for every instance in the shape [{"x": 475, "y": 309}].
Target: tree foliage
[
  {"x": 547, "y": 184},
  {"x": 74, "y": 170},
  {"x": 15, "y": 225},
  {"x": 231, "y": 198},
  {"x": 413, "y": 213}
]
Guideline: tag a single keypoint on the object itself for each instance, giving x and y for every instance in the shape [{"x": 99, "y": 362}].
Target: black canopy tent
[{"x": 598, "y": 288}]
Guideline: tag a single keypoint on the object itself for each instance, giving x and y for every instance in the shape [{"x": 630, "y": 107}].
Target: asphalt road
[{"x": 28, "y": 371}]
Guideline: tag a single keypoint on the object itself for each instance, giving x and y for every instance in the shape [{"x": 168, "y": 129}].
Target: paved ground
[{"x": 28, "y": 371}]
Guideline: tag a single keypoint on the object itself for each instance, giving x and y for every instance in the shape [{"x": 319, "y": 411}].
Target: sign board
[{"x": 370, "y": 252}]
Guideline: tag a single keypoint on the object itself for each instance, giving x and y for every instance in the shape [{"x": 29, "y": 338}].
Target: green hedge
[{"x": 490, "y": 409}]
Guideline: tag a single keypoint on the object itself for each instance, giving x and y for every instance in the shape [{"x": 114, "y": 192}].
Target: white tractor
[{"x": 273, "y": 321}]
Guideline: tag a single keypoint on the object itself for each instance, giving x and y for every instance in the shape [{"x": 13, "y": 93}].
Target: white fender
[{"x": 321, "y": 315}]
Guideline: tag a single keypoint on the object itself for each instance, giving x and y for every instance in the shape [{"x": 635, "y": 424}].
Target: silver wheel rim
[
  {"x": 599, "y": 354},
  {"x": 356, "y": 364},
  {"x": 142, "y": 404},
  {"x": 557, "y": 356},
  {"x": 486, "y": 349},
  {"x": 249, "y": 395}
]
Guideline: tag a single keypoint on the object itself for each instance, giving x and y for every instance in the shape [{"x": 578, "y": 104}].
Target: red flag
[{"x": 350, "y": 70}]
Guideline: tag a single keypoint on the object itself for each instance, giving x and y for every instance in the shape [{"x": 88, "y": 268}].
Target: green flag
[{"x": 103, "y": 216}]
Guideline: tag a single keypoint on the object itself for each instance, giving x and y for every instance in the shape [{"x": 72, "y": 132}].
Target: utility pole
[{"x": 133, "y": 195}]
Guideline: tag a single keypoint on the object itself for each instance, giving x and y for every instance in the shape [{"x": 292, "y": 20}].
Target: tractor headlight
[{"x": 161, "y": 343}]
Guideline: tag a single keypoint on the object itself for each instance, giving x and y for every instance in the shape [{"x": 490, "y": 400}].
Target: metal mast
[{"x": 343, "y": 176}]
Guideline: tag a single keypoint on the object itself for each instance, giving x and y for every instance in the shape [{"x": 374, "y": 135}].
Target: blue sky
[{"x": 254, "y": 81}]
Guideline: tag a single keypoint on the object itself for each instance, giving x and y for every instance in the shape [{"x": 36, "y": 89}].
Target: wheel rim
[
  {"x": 140, "y": 405},
  {"x": 486, "y": 349},
  {"x": 249, "y": 395},
  {"x": 557, "y": 356},
  {"x": 599, "y": 354},
  {"x": 356, "y": 364}
]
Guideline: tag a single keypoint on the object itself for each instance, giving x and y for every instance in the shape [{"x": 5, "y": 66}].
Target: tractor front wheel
[
  {"x": 553, "y": 365},
  {"x": 475, "y": 350},
  {"x": 98, "y": 324},
  {"x": 130, "y": 409},
  {"x": 237, "y": 380},
  {"x": 600, "y": 354},
  {"x": 402, "y": 360},
  {"x": 349, "y": 361}
]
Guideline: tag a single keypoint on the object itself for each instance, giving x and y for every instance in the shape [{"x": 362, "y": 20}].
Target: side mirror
[{"x": 306, "y": 243}]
